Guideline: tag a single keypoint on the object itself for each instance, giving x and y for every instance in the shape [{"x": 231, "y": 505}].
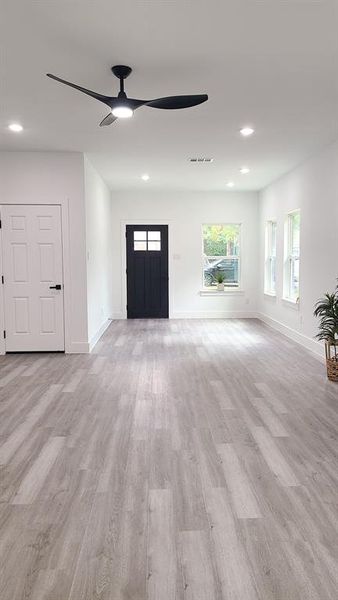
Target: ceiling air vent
[{"x": 201, "y": 159}]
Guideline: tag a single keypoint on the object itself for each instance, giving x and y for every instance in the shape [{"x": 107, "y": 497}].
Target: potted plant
[
  {"x": 220, "y": 281},
  {"x": 327, "y": 310}
]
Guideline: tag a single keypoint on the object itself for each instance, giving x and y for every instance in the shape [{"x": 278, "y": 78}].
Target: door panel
[
  {"x": 20, "y": 263},
  {"x": 32, "y": 262},
  {"x": 147, "y": 271},
  {"x": 21, "y": 315},
  {"x": 47, "y": 315}
]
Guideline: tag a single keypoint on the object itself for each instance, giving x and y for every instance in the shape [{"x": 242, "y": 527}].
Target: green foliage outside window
[{"x": 221, "y": 240}]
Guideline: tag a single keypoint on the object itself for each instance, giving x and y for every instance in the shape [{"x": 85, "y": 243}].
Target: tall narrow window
[
  {"x": 270, "y": 258},
  {"x": 221, "y": 255},
  {"x": 292, "y": 256}
]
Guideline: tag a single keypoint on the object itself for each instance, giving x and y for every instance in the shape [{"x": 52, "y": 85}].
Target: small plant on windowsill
[
  {"x": 220, "y": 281},
  {"x": 327, "y": 310}
]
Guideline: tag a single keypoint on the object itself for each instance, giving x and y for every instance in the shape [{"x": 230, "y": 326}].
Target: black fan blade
[
  {"x": 132, "y": 103},
  {"x": 174, "y": 102},
  {"x": 108, "y": 120},
  {"x": 105, "y": 99}
]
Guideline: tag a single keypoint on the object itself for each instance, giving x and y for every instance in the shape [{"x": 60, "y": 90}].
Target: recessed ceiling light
[
  {"x": 15, "y": 127},
  {"x": 230, "y": 184},
  {"x": 122, "y": 112},
  {"x": 245, "y": 131},
  {"x": 244, "y": 170},
  {"x": 145, "y": 177}
]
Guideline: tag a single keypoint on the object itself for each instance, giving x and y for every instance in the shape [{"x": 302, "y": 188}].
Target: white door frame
[
  {"x": 167, "y": 222},
  {"x": 2, "y": 304},
  {"x": 65, "y": 242}
]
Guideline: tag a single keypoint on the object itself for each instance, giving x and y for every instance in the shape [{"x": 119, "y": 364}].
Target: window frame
[
  {"x": 290, "y": 257},
  {"x": 147, "y": 240},
  {"x": 270, "y": 257},
  {"x": 227, "y": 288}
]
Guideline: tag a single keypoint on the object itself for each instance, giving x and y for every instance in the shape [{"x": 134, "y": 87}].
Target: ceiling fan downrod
[{"x": 121, "y": 72}]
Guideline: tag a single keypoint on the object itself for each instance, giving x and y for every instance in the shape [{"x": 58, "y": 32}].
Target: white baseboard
[
  {"x": 305, "y": 341},
  {"x": 77, "y": 348},
  {"x": 118, "y": 316},
  {"x": 315, "y": 347},
  {"x": 215, "y": 314},
  {"x": 98, "y": 334},
  {"x": 220, "y": 314}
]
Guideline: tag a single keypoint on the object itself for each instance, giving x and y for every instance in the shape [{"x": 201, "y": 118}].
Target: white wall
[
  {"x": 99, "y": 252},
  {"x": 185, "y": 213},
  {"x": 55, "y": 178},
  {"x": 312, "y": 187},
  {"x": 93, "y": 221}
]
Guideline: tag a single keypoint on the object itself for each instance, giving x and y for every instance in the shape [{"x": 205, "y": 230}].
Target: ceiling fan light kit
[
  {"x": 122, "y": 107},
  {"x": 122, "y": 112}
]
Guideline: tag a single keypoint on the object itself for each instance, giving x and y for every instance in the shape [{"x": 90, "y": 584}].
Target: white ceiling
[{"x": 267, "y": 63}]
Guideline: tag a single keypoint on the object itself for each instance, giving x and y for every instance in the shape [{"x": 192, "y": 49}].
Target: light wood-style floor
[{"x": 182, "y": 460}]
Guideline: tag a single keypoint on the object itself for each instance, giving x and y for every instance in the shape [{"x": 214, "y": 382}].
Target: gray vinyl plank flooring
[
  {"x": 244, "y": 502},
  {"x": 181, "y": 460}
]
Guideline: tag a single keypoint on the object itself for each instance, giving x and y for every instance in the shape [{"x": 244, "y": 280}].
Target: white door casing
[{"x": 32, "y": 263}]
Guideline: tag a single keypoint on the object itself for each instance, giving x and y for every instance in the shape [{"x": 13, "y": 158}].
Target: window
[
  {"x": 147, "y": 240},
  {"x": 221, "y": 255},
  {"x": 292, "y": 256},
  {"x": 270, "y": 258}
]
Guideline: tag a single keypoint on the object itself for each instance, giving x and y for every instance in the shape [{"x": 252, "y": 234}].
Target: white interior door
[{"x": 32, "y": 265}]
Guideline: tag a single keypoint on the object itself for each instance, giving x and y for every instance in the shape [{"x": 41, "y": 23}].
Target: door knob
[{"x": 58, "y": 286}]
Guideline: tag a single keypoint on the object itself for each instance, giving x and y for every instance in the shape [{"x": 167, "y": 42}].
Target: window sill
[
  {"x": 227, "y": 292},
  {"x": 291, "y": 303},
  {"x": 270, "y": 294}
]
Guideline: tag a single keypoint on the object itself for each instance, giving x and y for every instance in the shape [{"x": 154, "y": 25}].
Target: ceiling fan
[{"x": 123, "y": 107}]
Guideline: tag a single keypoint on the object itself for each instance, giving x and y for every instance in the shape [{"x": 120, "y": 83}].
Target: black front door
[{"x": 147, "y": 271}]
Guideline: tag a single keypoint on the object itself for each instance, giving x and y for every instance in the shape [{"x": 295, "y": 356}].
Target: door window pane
[
  {"x": 140, "y": 235},
  {"x": 140, "y": 245},
  {"x": 154, "y": 246},
  {"x": 154, "y": 235}
]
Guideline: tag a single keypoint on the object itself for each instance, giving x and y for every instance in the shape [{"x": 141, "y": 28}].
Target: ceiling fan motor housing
[{"x": 121, "y": 71}]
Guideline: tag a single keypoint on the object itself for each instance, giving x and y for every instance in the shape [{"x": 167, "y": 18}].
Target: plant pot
[
  {"x": 220, "y": 287},
  {"x": 331, "y": 361}
]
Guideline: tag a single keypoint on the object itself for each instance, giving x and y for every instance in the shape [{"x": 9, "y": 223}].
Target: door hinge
[
  {"x": 2, "y": 279},
  {"x": 0, "y": 224},
  {"x": 4, "y": 334}
]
